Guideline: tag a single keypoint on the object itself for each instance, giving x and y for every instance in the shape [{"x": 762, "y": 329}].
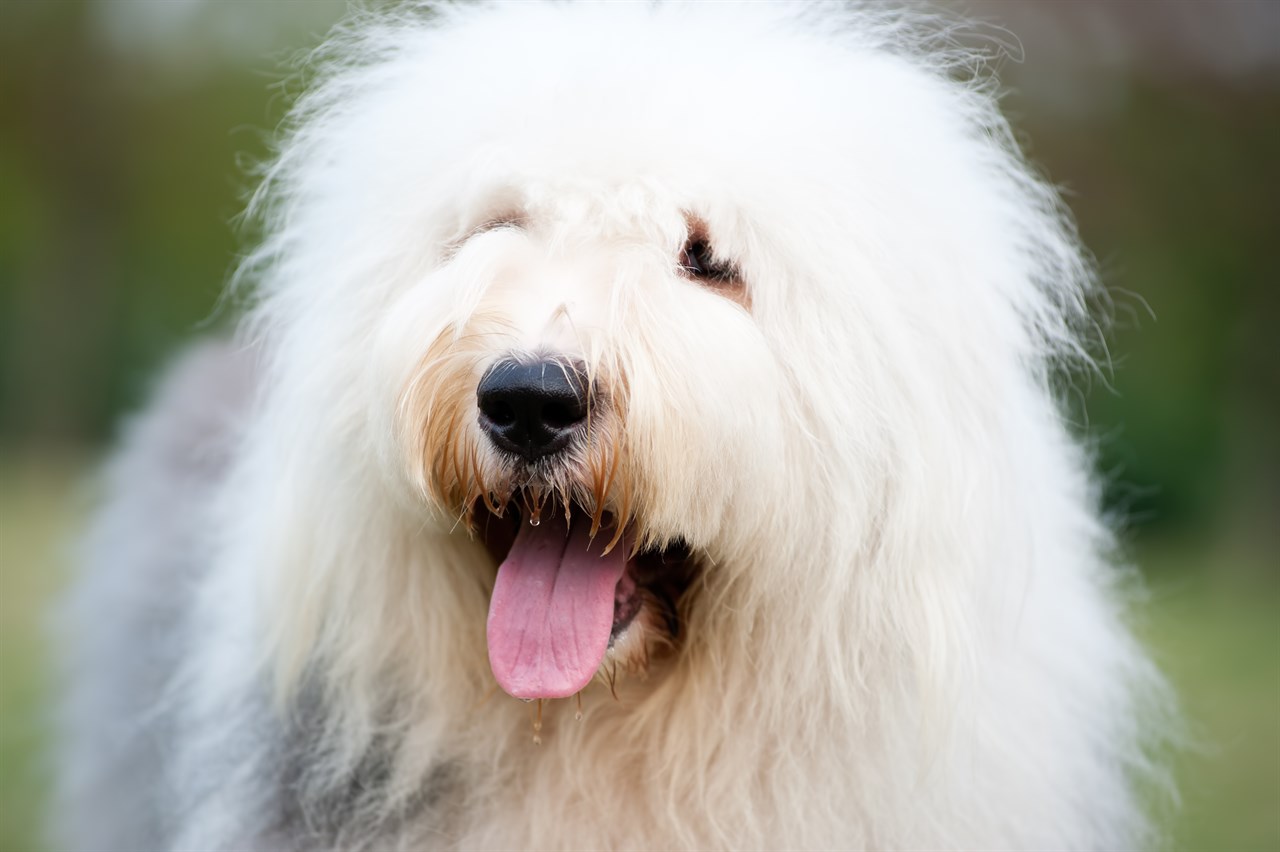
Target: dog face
[{"x": 587, "y": 392}]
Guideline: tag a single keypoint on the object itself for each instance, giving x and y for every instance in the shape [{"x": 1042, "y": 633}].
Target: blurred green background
[{"x": 124, "y": 124}]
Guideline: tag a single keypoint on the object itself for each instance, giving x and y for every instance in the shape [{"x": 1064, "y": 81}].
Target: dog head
[{"x": 682, "y": 320}]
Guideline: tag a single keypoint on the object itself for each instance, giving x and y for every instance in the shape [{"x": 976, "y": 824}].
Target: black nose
[{"x": 532, "y": 409}]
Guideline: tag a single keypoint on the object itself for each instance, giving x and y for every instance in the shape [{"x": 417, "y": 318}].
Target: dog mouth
[{"x": 574, "y": 599}]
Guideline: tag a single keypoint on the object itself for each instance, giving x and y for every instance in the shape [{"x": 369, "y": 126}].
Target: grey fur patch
[
  {"x": 124, "y": 621},
  {"x": 138, "y": 771},
  {"x": 309, "y": 810}
]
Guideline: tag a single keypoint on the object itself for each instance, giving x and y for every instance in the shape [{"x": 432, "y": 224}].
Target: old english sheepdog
[{"x": 642, "y": 436}]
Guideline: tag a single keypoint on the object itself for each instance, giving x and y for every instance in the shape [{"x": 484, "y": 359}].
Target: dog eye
[
  {"x": 507, "y": 220},
  {"x": 699, "y": 262}
]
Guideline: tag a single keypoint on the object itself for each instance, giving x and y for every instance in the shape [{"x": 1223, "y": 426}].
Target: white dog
[{"x": 684, "y": 370}]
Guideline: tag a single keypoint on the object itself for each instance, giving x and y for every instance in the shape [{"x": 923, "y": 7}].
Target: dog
[{"x": 643, "y": 435}]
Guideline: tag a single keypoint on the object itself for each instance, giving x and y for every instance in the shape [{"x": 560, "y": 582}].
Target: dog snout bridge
[{"x": 532, "y": 409}]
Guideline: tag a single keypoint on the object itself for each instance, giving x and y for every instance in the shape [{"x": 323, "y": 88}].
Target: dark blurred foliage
[
  {"x": 123, "y": 169},
  {"x": 121, "y": 184},
  {"x": 1177, "y": 197}
]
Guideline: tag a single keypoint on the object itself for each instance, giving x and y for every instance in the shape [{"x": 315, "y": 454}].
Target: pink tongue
[{"x": 552, "y": 609}]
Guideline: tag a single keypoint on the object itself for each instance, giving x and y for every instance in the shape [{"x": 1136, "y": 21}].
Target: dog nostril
[
  {"x": 499, "y": 412},
  {"x": 559, "y": 416}
]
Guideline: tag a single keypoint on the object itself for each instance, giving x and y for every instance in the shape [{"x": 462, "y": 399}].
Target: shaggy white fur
[{"x": 816, "y": 299}]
